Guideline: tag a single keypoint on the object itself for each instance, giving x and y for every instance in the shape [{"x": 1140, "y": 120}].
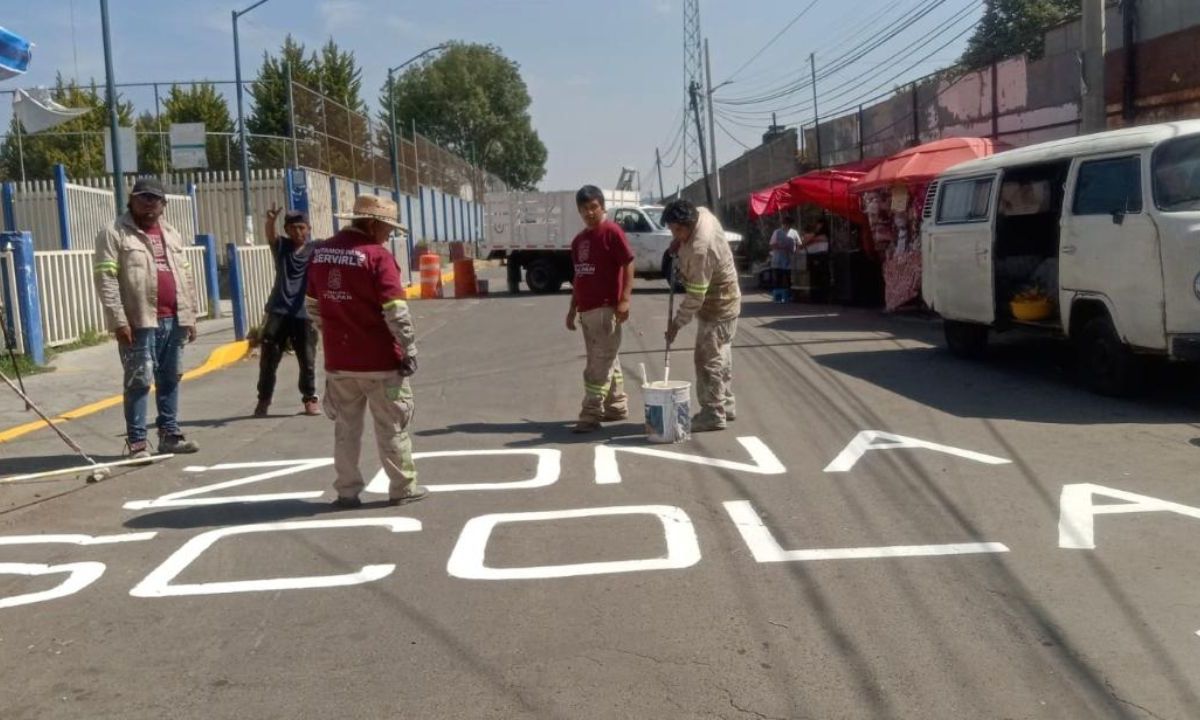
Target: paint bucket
[{"x": 668, "y": 411}]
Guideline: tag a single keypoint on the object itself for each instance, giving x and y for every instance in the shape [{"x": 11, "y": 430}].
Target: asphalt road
[{"x": 768, "y": 571}]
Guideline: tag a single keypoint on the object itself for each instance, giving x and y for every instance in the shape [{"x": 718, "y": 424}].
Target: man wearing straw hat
[
  {"x": 709, "y": 276},
  {"x": 356, "y": 299}
]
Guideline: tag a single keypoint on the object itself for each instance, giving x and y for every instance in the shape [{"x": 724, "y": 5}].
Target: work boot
[
  {"x": 585, "y": 426},
  {"x": 176, "y": 444},
  {"x": 312, "y": 407},
  {"x": 415, "y": 496},
  {"x": 139, "y": 450},
  {"x": 706, "y": 423},
  {"x": 262, "y": 408},
  {"x": 615, "y": 415}
]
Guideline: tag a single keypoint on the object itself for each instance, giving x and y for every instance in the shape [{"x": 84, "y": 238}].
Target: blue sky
[{"x": 606, "y": 78}]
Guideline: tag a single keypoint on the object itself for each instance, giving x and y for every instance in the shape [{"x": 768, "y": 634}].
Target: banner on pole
[{"x": 128, "y": 141}]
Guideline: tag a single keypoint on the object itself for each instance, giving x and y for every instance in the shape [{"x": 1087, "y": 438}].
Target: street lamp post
[
  {"x": 237, "y": 69},
  {"x": 396, "y": 140}
]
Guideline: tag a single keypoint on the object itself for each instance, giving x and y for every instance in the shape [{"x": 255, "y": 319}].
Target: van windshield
[{"x": 1177, "y": 175}]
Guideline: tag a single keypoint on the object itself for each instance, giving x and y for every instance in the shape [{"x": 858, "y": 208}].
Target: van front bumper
[{"x": 1186, "y": 348}]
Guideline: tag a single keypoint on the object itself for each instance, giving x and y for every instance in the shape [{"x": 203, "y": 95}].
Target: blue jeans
[{"x": 156, "y": 357}]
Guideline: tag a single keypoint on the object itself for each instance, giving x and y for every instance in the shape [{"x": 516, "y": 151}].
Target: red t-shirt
[
  {"x": 599, "y": 256},
  {"x": 166, "y": 281},
  {"x": 351, "y": 278}
]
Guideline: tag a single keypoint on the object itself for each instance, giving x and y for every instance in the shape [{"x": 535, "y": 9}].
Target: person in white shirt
[{"x": 784, "y": 242}]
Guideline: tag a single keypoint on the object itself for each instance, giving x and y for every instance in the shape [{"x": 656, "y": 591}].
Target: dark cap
[
  {"x": 149, "y": 186},
  {"x": 294, "y": 216}
]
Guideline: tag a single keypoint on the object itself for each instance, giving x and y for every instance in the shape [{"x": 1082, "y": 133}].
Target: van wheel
[
  {"x": 542, "y": 278},
  {"x": 964, "y": 339},
  {"x": 1106, "y": 364}
]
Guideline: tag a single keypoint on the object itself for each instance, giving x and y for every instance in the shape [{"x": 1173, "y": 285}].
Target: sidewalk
[{"x": 85, "y": 377}]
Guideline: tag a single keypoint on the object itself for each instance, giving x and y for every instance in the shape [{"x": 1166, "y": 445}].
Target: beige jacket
[
  {"x": 127, "y": 278},
  {"x": 708, "y": 274}
]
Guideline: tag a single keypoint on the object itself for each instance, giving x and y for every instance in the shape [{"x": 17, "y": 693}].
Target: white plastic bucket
[{"x": 668, "y": 411}]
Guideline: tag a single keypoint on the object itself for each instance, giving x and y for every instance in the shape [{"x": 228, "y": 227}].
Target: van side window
[
  {"x": 964, "y": 201},
  {"x": 1105, "y": 187}
]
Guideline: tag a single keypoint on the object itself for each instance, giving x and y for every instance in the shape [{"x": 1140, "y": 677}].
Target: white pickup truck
[{"x": 532, "y": 231}]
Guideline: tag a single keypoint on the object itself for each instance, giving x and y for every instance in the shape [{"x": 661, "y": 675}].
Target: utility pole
[
  {"x": 812, "y": 61},
  {"x": 113, "y": 118},
  {"x": 712, "y": 132},
  {"x": 658, "y": 164},
  {"x": 1129, "y": 21},
  {"x": 1094, "y": 110},
  {"x": 694, "y": 90},
  {"x": 242, "y": 135}
]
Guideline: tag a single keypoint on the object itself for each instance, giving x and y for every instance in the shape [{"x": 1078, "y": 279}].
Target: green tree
[
  {"x": 1013, "y": 27},
  {"x": 331, "y": 73},
  {"x": 200, "y": 103},
  {"x": 472, "y": 101},
  {"x": 77, "y": 144}
]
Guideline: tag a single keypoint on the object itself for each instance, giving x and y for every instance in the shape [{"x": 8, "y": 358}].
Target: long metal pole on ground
[
  {"x": 113, "y": 118},
  {"x": 1092, "y": 104}
]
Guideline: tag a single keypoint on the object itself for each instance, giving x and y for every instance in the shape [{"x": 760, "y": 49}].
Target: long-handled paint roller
[
  {"x": 95, "y": 471},
  {"x": 670, "y": 317}
]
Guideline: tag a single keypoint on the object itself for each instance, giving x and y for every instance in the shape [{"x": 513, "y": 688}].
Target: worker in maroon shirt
[
  {"x": 600, "y": 296},
  {"x": 356, "y": 298}
]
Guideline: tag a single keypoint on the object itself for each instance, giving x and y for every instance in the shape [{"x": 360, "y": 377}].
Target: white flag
[{"x": 37, "y": 111}]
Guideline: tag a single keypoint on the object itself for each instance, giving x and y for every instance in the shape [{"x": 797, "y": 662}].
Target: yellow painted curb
[
  {"x": 223, "y": 356},
  {"x": 413, "y": 292}
]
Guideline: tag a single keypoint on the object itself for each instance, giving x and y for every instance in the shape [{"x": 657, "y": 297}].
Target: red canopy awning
[
  {"x": 921, "y": 164},
  {"x": 829, "y": 189}
]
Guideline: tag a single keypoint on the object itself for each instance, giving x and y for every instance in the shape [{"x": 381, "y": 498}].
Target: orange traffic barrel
[
  {"x": 464, "y": 278},
  {"x": 431, "y": 276}
]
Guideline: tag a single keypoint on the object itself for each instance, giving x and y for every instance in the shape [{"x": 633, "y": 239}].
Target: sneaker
[
  {"x": 139, "y": 450},
  {"x": 615, "y": 415},
  {"x": 414, "y": 496},
  {"x": 312, "y": 407},
  {"x": 585, "y": 426},
  {"x": 346, "y": 503},
  {"x": 176, "y": 444},
  {"x": 261, "y": 409},
  {"x": 704, "y": 423}
]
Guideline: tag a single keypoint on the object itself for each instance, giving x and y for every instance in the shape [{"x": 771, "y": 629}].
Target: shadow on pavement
[
  {"x": 542, "y": 432},
  {"x": 235, "y": 514}
]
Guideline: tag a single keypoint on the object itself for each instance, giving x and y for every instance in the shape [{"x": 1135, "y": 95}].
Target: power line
[{"x": 771, "y": 42}]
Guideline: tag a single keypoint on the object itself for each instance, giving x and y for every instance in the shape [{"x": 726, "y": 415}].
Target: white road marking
[
  {"x": 549, "y": 468},
  {"x": 77, "y": 539},
  {"x": 1077, "y": 513},
  {"x": 80, "y": 575},
  {"x": 763, "y": 461},
  {"x": 877, "y": 440}
]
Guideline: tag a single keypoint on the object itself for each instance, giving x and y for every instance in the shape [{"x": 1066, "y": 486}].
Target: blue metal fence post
[
  {"x": 60, "y": 194},
  {"x": 237, "y": 292},
  {"x": 211, "y": 279},
  {"x": 445, "y": 219},
  {"x": 421, "y": 204},
  {"x": 7, "y": 192},
  {"x": 297, "y": 189},
  {"x": 29, "y": 305}
]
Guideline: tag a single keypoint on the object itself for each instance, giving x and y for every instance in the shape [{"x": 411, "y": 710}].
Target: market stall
[{"x": 893, "y": 195}]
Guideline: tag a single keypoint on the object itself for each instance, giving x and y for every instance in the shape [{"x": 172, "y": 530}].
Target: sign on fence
[
  {"x": 128, "y": 140},
  {"x": 188, "y": 148}
]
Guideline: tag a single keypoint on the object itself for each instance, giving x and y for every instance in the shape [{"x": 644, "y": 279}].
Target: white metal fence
[
  {"x": 258, "y": 278},
  {"x": 195, "y": 256},
  {"x": 35, "y": 205},
  {"x": 67, "y": 293},
  {"x": 10, "y": 314},
  {"x": 89, "y": 210}
]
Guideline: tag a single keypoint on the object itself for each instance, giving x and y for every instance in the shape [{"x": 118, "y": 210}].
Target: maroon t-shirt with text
[
  {"x": 352, "y": 278},
  {"x": 166, "y": 281},
  {"x": 599, "y": 256}
]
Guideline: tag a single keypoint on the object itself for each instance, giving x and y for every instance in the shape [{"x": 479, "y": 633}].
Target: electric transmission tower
[{"x": 693, "y": 76}]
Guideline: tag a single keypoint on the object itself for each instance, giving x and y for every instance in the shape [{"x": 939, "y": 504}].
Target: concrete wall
[{"x": 763, "y": 166}]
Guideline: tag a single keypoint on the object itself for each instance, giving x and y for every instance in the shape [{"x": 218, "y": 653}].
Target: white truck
[{"x": 532, "y": 231}]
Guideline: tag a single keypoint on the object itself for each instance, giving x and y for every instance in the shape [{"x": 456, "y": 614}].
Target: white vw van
[{"x": 1106, "y": 227}]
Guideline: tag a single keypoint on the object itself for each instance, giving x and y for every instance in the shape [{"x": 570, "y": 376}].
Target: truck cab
[{"x": 1098, "y": 233}]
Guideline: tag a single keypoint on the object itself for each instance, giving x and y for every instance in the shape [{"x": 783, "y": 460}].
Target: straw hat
[{"x": 373, "y": 207}]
